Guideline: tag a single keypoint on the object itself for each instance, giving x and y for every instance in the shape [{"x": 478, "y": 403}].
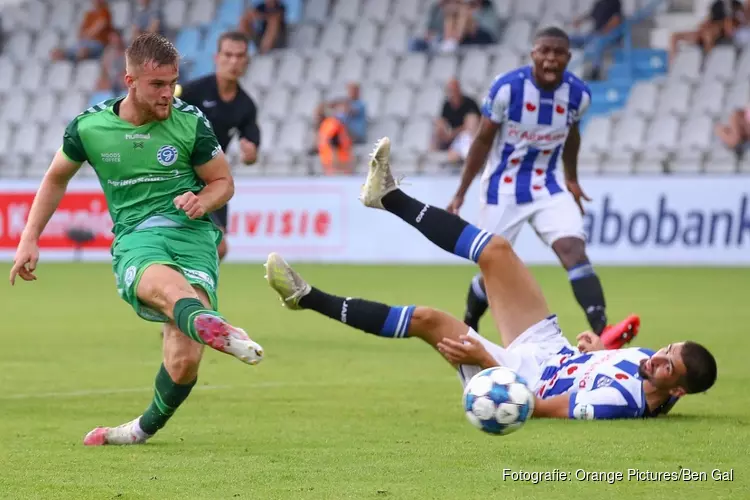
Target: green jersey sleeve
[
  {"x": 72, "y": 145},
  {"x": 206, "y": 145}
]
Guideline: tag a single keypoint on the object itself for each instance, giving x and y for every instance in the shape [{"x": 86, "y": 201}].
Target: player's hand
[
  {"x": 578, "y": 194},
  {"x": 191, "y": 204},
  {"x": 248, "y": 151},
  {"x": 455, "y": 205},
  {"x": 467, "y": 351},
  {"x": 24, "y": 264},
  {"x": 589, "y": 342}
]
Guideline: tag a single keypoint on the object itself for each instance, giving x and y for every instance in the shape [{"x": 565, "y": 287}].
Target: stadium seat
[
  {"x": 529, "y": 10},
  {"x": 230, "y": 11},
  {"x": 696, "y": 134},
  {"x": 377, "y": 11},
  {"x": 121, "y": 12},
  {"x": 417, "y": 133},
  {"x": 317, "y": 11},
  {"x": 35, "y": 18},
  {"x": 365, "y": 37},
  {"x": 738, "y": 95},
  {"x": 721, "y": 160},
  {"x": 177, "y": 10},
  {"x": 59, "y": 75},
  {"x": 42, "y": 107},
  {"x": 291, "y": 70},
  {"x": 304, "y": 103},
  {"x": 96, "y": 98},
  {"x": 201, "y": 13},
  {"x": 334, "y": 39},
  {"x": 276, "y": 105},
  {"x": 742, "y": 71},
  {"x": 304, "y": 37},
  {"x": 32, "y": 76},
  {"x": 19, "y": 46},
  {"x": 709, "y": 99},
  {"x": 628, "y": 135},
  {"x": 687, "y": 162},
  {"x": 686, "y": 65},
  {"x": 429, "y": 101},
  {"x": 350, "y": 69},
  {"x": 407, "y": 11},
  {"x": 385, "y": 127},
  {"x": 674, "y": 99},
  {"x": 719, "y": 64},
  {"x": 398, "y": 102},
  {"x": 8, "y": 73},
  {"x": 261, "y": 72},
  {"x": 320, "y": 71},
  {"x": 442, "y": 69},
  {"x": 517, "y": 37},
  {"x": 26, "y": 140},
  {"x": 642, "y": 99},
  {"x": 505, "y": 61},
  {"x": 373, "y": 98},
  {"x": 268, "y": 136},
  {"x": 188, "y": 42},
  {"x": 72, "y": 104},
  {"x": 412, "y": 69},
  {"x": 348, "y": 12},
  {"x": 597, "y": 138},
  {"x": 86, "y": 75},
  {"x": 382, "y": 70},
  {"x": 45, "y": 43},
  {"x": 474, "y": 68},
  {"x": 62, "y": 16},
  {"x": 293, "y": 137},
  {"x": 52, "y": 138},
  {"x": 395, "y": 38}
]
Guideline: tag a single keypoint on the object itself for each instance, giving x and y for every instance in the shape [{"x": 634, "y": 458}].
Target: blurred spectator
[
  {"x": 265, "y": 24},
  {"x": 724, "y": 17},
  {"x": 93, "y": 35},
  {"x": 451, "y": 121},
  {"x": 147, "y": 18},
  {"x": 459, "y": 148},
  {"x": 605, "y": 16},
  {"x": 451, "y": 23},
  {"x": 112, "y": 75},
  {"x": 735, "y": 134},
  {"x": 353, "y": 113},
  {"x": 334, "y": 143}
]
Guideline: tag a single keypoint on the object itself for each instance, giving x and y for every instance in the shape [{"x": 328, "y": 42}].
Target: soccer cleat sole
[{"x": 221, "y": 336}]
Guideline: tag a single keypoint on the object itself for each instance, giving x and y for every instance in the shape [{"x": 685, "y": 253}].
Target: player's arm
[
  {"x": 570, "y": 159},
  {"x": 250, "y": 137},
  {"x": 554, "y": 407},
  {"x": 475, "y": 160}
]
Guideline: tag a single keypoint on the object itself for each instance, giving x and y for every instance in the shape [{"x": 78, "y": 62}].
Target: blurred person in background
[
  {"x": 334, "y": 143},
  {"x": 459, "y": 148},
  {"x": 113, "y": 65},
  {"x": 723, "y": 19},
  {"x": 606, "y": 16},
  {"x": 93, "y": 35},
  {"x": 147, "y": 18},
  {"x": 229, "y": 109},
  {"x": 265, "y": 24},
  {"x": 735, "y": 134},
  {"x": 451, "y": 121},
  {"x": 352, "y": 111}
]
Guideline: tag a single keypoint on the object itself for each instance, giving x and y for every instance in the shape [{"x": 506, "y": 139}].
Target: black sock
[
  {"x": 588, "y": 291},
  {"x": 476, "y": 302},
  {"x": 371, "y": 317},
  {"x": 448, "y": 231}
]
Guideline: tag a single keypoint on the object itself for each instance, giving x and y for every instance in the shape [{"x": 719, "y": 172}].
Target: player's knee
[
  {"x": 425, "y": 319},
  {"x": 493, "y": 254},
  {"x": 164, "y": 293}
]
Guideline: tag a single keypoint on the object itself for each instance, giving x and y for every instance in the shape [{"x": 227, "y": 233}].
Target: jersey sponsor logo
[
  {"x": 111, "y": 157},
  {"x": 167, "y": 155},
  {"x": 517, "y": 132},
  {"x": 216, "y": 152},
  {"x": 148, "y": 178},
  {"x": 132, "y": 137},
  {"x": 583, "y": 412}
]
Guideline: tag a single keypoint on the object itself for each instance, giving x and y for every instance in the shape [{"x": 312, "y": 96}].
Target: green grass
[{"x": 335, "y": 413}]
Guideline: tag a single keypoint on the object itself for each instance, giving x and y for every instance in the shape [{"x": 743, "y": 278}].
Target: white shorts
[
  {"x": 552, "y": 218},
  {"x": 526, "y": 355}
]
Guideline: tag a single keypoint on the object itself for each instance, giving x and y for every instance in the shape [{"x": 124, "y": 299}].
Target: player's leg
[
  {"x": 395, "y": 322},
  {"x": 505, "y": 219},
  {"x": 175, "y": 379},
  {"x": 515, "y": 299},
  {"x": 159, "y": 267},
  {"x": 559, "y": 223}
]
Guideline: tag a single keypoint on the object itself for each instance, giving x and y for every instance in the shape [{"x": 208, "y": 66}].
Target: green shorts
[{"x": 190, "y": 251}]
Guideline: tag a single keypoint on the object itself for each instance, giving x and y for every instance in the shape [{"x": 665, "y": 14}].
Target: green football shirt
[{"x": 143, "y": 168}]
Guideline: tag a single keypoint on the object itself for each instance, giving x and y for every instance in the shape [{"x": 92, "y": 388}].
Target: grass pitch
[{"x": 335, "y": 413}]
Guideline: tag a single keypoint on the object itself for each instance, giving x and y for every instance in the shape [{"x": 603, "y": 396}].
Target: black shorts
[{"x": 220, "y": 217}]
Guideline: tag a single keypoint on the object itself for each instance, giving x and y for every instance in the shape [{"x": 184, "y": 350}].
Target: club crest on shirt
[{"x": 167, "y": 155}]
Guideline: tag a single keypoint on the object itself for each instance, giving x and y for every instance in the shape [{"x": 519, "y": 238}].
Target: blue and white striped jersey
[
  {"x": 523, "y": 161},
  {"x": 601, "y": 384}
]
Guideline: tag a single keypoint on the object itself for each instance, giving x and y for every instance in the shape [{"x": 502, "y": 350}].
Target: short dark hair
[
  {"x": 151, "y": 47},
  {"x": 700, "y": 367},
  {"x": 552, "y": 32},
  {"x": 235, "y": 36}
]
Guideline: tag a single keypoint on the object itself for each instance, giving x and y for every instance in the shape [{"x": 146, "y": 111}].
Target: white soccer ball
[{"x": 498, "y": 401}]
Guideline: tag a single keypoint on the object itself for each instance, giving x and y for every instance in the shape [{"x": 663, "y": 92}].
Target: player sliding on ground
[
  {"x": 162, "y": 172},
  {"x": 587, "y": 382}
]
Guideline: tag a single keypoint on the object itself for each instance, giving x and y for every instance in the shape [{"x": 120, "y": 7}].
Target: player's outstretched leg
[
  {"x": 395, "y": 322},
  {"x": 166, "y": 290},
  {"x": 515, "y": 298},
  {"x": 448, "y": 231}
]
